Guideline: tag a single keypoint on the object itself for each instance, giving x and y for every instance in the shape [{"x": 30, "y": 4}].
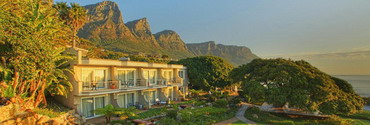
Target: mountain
[
  {"x": 105, "y": 22},
  {"x": 105, "y": 28},
  {"x": 237, "y": 55},
  {"x": 170, "y": 39},
  {"x": 141, "y": 30}
]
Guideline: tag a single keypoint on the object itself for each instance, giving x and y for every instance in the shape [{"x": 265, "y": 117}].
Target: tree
[
  {"x": 109, "y": 110},
  {"x": 298, "y": 84},
  {"x": 31, "y": 41},
  {"x": 206, "y": 72},
  {"x": 75, "y": 16}
]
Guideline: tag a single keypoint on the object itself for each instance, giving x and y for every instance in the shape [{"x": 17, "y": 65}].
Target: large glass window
[
  {"x": 122, "y": 100},
  {"x": 90, "y": 104},
  {"x": 126, "y": 100},
  {"x": 94, "y": 78},
  {"x": 127, "y": 77},
  {"x": 151, "y": 76},
  {"x": 87, "y": 107},
  {"x": 100, "y": 78}
]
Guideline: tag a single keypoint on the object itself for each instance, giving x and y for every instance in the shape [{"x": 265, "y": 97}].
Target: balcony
[{"x": 91, "y": 88}]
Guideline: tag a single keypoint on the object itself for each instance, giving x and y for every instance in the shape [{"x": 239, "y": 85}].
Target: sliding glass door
[
  {"x": 126, "y": 100},
  {"x": 127, "y": 78},
  {"x": 90, "y": 104},
  {"x": 151, "y": 76},
  {"x": 94, "y": 78}
]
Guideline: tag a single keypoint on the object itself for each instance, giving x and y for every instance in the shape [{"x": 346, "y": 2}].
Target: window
[
  {"x": 90, "y": 76},
  {"x": 181, "y": 74},
  {"x": 90, "y": 104},
  {"x": 127, "y": 77},
  {"x": 126, "y": 100},
  {"x": 151, "y": 76}
]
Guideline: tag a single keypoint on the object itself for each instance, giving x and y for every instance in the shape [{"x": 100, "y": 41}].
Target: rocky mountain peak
[
  {"x": 170, "y": 39},
  {"x": 105, "y": 22},
  {"x": 141, "y": 29},
  {"x": 103, "y": 11}
]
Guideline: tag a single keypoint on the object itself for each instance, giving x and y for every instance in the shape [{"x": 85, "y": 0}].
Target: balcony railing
[
  {"x": 127, "y": 84},
  {"x": 89, "y": 86}
]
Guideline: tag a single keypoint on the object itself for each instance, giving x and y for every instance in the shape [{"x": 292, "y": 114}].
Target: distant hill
[
  {"x": 105, "y": 27},
  {"x": 237, "y": 55}
]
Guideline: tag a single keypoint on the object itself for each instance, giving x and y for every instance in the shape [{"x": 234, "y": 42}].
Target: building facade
[{"x": 98, "y": 82}]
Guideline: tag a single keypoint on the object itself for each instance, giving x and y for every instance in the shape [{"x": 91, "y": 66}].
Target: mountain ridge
[{"x": 106, "y": 28}]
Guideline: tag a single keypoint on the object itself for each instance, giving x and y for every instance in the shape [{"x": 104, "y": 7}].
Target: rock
[
  {"x": 170, "y": 39},
  {"x": 141, "y": 29}
]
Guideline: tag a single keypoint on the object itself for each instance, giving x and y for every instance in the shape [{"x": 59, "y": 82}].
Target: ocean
[{"x": 360, "y": 83}]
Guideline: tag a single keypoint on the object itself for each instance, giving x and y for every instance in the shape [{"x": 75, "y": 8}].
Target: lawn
[
  {"x": 150, "y": 113},
  {"x": 262, "y": 118},
  {"x": 200, "y": 116}
]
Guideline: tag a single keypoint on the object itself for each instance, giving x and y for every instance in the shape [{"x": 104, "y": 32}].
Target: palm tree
[
  {"x": 74, "y": 16},
  {"x": 109, "y": 110}
]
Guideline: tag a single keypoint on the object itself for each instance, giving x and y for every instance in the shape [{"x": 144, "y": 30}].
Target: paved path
[{"x": 240, "y": 114}]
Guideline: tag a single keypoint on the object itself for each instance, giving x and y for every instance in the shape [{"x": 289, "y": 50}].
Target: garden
[{"x": 203, "y": 108}]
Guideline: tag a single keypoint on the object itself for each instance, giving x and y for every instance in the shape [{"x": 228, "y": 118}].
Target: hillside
[
  {"x": 106, "y": 29},
  {"x": 237, "y": 55}
]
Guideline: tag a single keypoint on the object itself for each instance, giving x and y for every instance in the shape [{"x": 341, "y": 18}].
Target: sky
[{"x": 270, "y": 28}]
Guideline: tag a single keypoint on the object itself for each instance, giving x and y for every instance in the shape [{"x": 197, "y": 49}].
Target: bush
[
  {"x": 150, "y": 113},
  {"x": 220, "y": 103},
  {"x": 235, "y": 100},
  {"x": 47, "y": 112},
  {"x": 172, "y": 114},
  {"x": 168, "y": 121},
  {"x": 199, "y": 103}
]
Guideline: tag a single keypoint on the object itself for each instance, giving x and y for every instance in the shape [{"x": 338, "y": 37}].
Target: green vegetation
[
  {"x": 48, "y": 112},
  {"x": 205, "y": 115},
  {"x": 261, "y": 117},
  {"x": 109, "y": 110},
  {"x": 150, "y": 113},
  {"x": 297, "y": 83},
  {"x": 207, "y": 72},
  {"x": 31, "y": 49}
]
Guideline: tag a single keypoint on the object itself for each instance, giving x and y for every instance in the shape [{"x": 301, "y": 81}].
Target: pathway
[
  {"x": 241, "y": 112},
  {"x": 239, "y": 116}
]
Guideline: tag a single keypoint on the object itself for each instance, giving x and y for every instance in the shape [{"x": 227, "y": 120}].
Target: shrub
[
  {"x": 235, "y": 100},
  {"x": 199, "y": 103},
  {"x": 150, "y": 113},
  {"x": 172, "y": 114},
  {"x": 168, "y": 121},
  {"x": 47, "y": 112},
  {"x": 254, "y": 110},
  {"x": 220, "y": 103}
]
